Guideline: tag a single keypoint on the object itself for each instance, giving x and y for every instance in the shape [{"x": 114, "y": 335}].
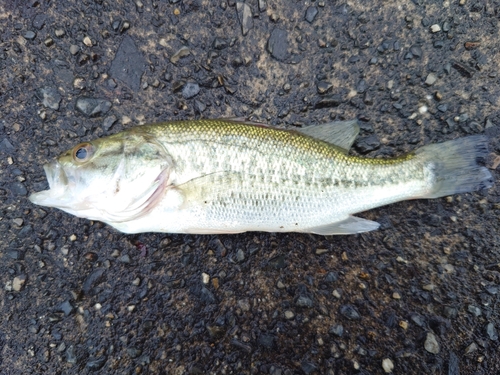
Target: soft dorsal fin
[{"x": 338, "y": 133}]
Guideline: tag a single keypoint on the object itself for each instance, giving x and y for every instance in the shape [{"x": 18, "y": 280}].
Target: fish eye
[{"x": 83, "y": 152}]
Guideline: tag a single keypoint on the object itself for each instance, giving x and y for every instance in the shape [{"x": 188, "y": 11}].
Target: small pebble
[
  {"x": 387, "y": 365},
  {"x": 190, "y": 90},
  {"x": 429, "y": 287},
  {"x": 289, "y": 314},
  {"x": 244, "y": 304},
  {"x": 205, "y": 278},
  {"x": 72, "y": 237},
  {"x": 183, "y": 52},
  {"x": 18, "y": 282},
  {"x": 240, "y": 255},
  {"x": 474, "y": 310},
  {"x": 79, "y": 83},
  {"x": 18, "y": 221},
  {"x": 491, "y": 332},
  {"x": 311, "y": 13},
  {"x": 431, "y": 79},
  {"x": 431, "y": 344},
  {"x": 350, "y": 312},
  {"x": 60, "y": 33},
  {"x": 87, "y": 41},
  {"x": 435, "y": 28},
  {"x": 471, "y": 348},
  {"x": 29, "y": 35}
]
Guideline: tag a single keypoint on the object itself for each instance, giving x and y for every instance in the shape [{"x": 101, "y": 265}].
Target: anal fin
[{"x": 351, "y": 225}]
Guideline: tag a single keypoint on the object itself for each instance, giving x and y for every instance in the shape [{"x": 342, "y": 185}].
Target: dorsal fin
[{"x": 338, "y": 133}]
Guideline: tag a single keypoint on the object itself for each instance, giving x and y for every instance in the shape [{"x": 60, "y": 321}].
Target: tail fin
[{"x": 453, "y": 166}]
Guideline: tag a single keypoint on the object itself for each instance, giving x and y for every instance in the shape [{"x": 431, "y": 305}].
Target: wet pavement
[{"x": 420, "y": 295}]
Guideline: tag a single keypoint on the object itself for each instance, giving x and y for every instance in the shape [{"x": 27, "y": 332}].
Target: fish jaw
[{"x": 56, "y": 195}]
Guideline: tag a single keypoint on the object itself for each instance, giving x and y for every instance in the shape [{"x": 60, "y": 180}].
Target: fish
[{"x": 231, "y": 176}]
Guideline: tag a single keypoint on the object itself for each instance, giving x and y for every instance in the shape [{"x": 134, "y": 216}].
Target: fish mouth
[{"x": 58, "y": 182}]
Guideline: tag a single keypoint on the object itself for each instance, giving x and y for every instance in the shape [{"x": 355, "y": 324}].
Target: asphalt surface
[{"x": 418, "y": 296}]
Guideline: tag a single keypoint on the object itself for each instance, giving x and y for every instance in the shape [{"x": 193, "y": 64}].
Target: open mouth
[{"x": 58, "y": 182}]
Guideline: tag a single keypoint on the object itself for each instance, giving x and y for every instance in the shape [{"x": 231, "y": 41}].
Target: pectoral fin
[
  {"x": 351, "y": 225},
  {"x": 205, "y": 189},
  {"x": 338, "y": 133}
]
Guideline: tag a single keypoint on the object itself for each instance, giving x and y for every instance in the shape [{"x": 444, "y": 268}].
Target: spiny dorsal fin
[{"x": 338, "y": 133}]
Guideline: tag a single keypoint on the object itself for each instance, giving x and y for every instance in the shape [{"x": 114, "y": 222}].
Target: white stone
[{"x": 387, "y": 365}]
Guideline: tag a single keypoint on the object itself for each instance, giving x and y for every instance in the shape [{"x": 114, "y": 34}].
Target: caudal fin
[{"x": 454, "y": 168}]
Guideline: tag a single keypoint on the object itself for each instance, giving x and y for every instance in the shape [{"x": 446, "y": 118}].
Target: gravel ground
[{"x": 418, "y": 296}]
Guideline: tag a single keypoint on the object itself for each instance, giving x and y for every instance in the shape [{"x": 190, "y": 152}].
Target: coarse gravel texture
[{"x": 418, "y": 296}]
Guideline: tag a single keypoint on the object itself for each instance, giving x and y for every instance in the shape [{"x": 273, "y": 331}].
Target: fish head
[{"x": 111, "y": 179}]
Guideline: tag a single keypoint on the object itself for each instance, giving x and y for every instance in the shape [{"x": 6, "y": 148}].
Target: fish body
[{"x": 223, "y": 176}]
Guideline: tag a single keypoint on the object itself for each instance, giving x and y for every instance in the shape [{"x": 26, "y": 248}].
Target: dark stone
[
  {"x": 15, "y": 254},
  {"x": 128, "y": 64},
  {"x": 6, "y": 146},
  {"x": 50, "y": 97},
  {"x": 190, "y": 90},
  {"x": 418, "y": 320},
  {"x": 67, "y": 308},
  {"x": 438, "y": 44},
  {"x": 207, "y": 296},
  {"x": 464, "y": 70},
  {"x": 134, "y": 352},
  {"x": 199, "y": 106},
  {"x": 323, "y": 87},
  {"x": 311, "y": 13},
  {"x": 308, "y": 367},
  {"x": 108, "y": 122},
  {"x": 97, "y": 363},
  {"x": 350, "y": 312},
  {"x": 92, "y": 107},
  {"x": 453, "y": 364},
  {"x": 331, "y": 277},
  {"x": 219, "y": 43},
  {"x": 277, "y": 44},
  {"x": 416, "y": 51},
  {"x": 125, "y": 259},
  {"x": 29, "y": 35},
  {"x": 245, "y": 17},
  {"x": 367, "y": 144},
  {"x": 278, "y": 262},
  {"x": 491, "y": 332},
  {"x": 18, "y": 189},
  {"x": 361, "y": 87},
  {"x": 266, "y": 341},
  {"x": 337, "y": 330},
  {"x": 304, "y": 301},
  {"x": 71, "y": 355},
  {"x": 329, "y": 102},
  {"x": 39, "y": 21},
  {"x": 442, "y": 107},
  {"x": 92, "y": 281}
]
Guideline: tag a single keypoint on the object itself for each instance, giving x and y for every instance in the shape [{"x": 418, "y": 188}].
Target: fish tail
[{"x": 452, "y": 167}]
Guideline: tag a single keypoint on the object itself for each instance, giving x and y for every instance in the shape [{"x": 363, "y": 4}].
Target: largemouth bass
[{"x": 224, "y": 176}]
